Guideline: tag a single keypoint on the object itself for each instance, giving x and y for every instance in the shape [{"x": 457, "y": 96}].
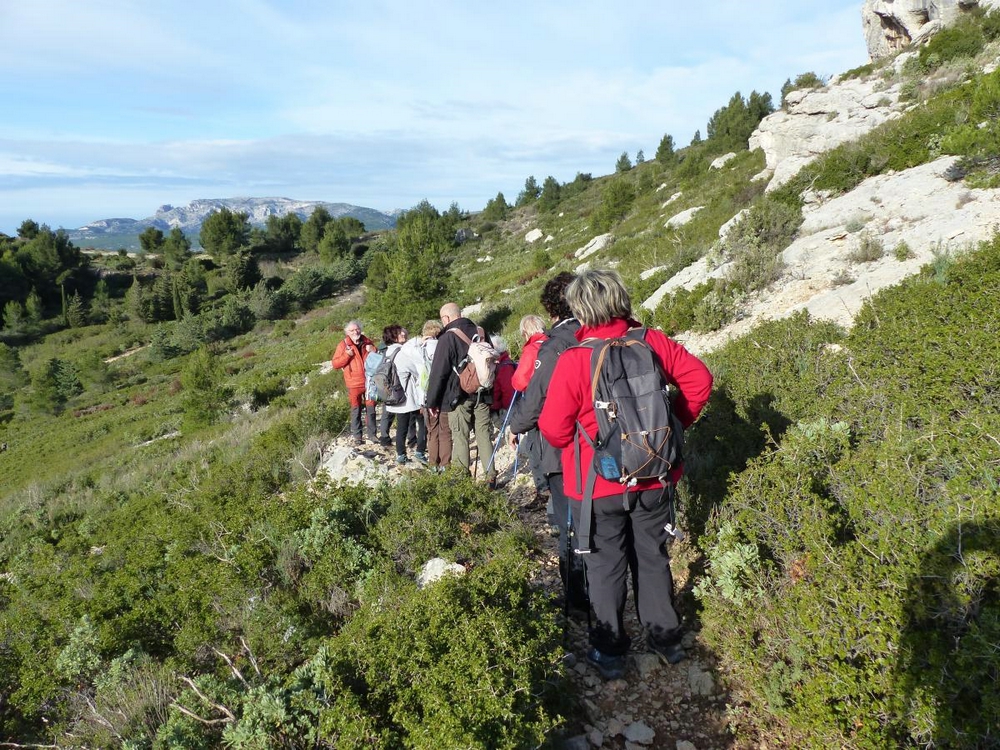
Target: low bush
[{"x": 853, "y": 585}]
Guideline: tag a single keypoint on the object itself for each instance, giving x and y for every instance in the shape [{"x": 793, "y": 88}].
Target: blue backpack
[{"x": 372, "y": 362}]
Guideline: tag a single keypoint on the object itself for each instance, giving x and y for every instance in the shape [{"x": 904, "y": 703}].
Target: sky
[{"x": 112, "y": 108}]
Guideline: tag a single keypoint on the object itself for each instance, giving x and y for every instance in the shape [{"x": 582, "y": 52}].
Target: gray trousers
[{"x": 468, "y": 416}]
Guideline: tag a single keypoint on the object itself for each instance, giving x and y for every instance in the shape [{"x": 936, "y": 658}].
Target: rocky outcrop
[
  {"x": 911, "y": 216},
  {"x": 817, "y": 120},
  {"x": 890, "y": 25}
]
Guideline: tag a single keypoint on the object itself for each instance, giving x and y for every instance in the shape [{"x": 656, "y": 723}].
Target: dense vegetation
[{"x": 174, "y": 571}]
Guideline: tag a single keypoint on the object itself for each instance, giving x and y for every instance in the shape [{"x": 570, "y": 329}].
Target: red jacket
[
  {"x": 569, "y": 401},
  {"x": 353, "y": 363},
  {"x": 503, "y": 391},
  {"x": 526, "y": 366}
]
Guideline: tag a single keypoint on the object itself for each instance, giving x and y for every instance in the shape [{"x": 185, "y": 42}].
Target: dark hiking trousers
[
  {"x": 624, "y": 540},
  {"x": 570, "y": 564}
]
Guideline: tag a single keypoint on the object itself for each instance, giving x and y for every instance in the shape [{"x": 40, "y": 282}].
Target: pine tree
[
  {"x": 100, "y": 305},
  {"x": 640, "y": 157},
  {"x": 624, "y": 164},
  {"x": 137, "y": 302},
  {"x": 34, "y": 307},
  {"x": 665, "y": 151},
  {"x": 530, "y": 192},
  {"x": 549, "y": 198},
  {"x": 76, "y": 311}
]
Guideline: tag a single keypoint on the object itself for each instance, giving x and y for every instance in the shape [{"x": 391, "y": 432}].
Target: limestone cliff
[{"x": 890, "y": 25}]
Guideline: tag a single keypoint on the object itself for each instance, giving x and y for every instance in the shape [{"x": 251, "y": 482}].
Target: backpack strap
[{"x": 461, "y": 335}]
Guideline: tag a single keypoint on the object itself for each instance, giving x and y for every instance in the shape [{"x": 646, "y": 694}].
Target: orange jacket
[{"x": 350, "y": 362}]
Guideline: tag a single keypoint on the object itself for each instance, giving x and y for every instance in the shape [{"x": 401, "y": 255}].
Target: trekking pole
[{"x": 506, "y": 419}]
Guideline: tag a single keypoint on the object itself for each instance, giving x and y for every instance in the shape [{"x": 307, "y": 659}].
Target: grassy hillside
[{"x": 173, "y": 572}]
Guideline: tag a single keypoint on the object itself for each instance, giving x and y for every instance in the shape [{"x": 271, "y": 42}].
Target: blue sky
[{"x": 111, "y": 108}]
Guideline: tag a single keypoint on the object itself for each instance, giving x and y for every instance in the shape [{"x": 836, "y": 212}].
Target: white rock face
[
  {"x": 534, "y": 235},
  {"x": 597, "y": 244},
  {"x": 818, "y": 120},
  {"x": 890, "y": 25},
  {"x": 917, "y": 206},
  {"x": 679, "y": 220},
  {"x": 671, "y": 199},
  {"x": 436, "y": 569},
  {"x": 722, "y": 160}
]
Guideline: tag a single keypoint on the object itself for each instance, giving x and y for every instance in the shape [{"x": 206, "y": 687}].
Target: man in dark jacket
[
  {"x": 524, "y": 421},
  {"x": 444, "y": 394}
]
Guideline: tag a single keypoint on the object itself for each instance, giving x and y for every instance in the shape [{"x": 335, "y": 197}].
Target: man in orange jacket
[{"x": 350, "y": 357}]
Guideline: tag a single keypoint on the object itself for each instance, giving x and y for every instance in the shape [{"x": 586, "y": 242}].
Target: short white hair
[{"x": 499, "y": 343}]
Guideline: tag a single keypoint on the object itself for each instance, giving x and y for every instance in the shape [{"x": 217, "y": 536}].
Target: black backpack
[
  {"x": 385, "y": 381},
  {"x": 638, "y": 435}
]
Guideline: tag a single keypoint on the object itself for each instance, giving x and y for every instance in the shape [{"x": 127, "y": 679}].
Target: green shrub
[
  {"x": 616, "y": 200},
  {"x": 902, "y": 251},
  {"x": 869, "y": 248},
  {"x": 861, "y": 624}
]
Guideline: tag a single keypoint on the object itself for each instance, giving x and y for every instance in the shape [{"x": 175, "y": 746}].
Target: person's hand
[
  {"x": 350, "y": 351},
  {"x": 514, "y": 440},
  {"x": 433, "y": 412},
  {"x": 369, "y": 348}
]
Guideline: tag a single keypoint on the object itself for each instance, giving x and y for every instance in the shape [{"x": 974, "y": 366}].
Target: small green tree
[
  {"x": 45, "y": 395},
  {"x": 496, "y": 209},
  {"x": 313, "y": 229},
  {"x": 34, "y": 307},
  {"x": 335, "y": 243},
  {"x": 549, "y": 198},
  {"x": 224, "y": 232},
  {"x": 151, "y": 240},
  {"x": 28, "y": 230},
  {"x": 13, "y": 316},
  {"x": 100, "y": 305},
  {"x": 76, "y": 311},
  {"x": 137, "y": 305},
  {"x": 624, "y": 164},
  {"x": 665, "y": 153},
  {"x": 242, "y": 271},
  {"x": 282, "y": 233},
  {"x": 616, "y": 200},
  {"x": 640, "y": 157},
  {"x": 696, "y": 138},
  {"x": 205, "y": 398},
  {"x": 176, "y": 248},
  {"x": 530, "y": 192}
]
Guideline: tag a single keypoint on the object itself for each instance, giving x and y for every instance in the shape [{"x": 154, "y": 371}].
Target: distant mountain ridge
[{"x": 124, "y": 232}]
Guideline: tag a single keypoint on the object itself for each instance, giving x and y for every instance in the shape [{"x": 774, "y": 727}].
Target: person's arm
[
  {"x": 437, "y": 381},
  {"x": 691, "y": 376},
  {"x": 342, "y": 355},
  {"x": 557, "y": 421}
]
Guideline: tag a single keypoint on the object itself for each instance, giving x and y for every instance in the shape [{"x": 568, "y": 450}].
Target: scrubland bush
[{"x": 853, "y": 585}]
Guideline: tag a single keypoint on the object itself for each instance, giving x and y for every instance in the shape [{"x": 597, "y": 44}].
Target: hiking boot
[
  {"x": 609, "y": 667},
  {"x": 359, "y": 441},
  {"x": 401, "y": 459},
  {"x": 491, "y": 483},
  {"x": 420, "y": 458},
  {"x": 385, "y": 442},
  {"x": 669, "y": 653}
]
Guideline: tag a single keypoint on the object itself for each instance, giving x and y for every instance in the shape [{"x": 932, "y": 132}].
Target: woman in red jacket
[
  {"x": 621, "y": 538},
  {"x": 533, "y": 331},
  {"x": 350, "y": 357}
]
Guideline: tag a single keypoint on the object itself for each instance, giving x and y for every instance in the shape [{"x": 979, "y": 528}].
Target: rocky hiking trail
[{"x": 660, "y": 706}]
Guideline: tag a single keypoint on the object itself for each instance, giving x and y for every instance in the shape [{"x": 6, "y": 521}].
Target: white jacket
[{"x": 409, "y": 362}]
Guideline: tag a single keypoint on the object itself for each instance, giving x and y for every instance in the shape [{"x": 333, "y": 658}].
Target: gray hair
[
  {"x": 499, "y": 342},
  {"x": 353, "y": 323},
  {"x": 531, "y": 324},
  {"x": 597, "y": 296}
]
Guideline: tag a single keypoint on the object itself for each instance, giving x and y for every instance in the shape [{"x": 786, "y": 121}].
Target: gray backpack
[{"x": 638, "y": 435}]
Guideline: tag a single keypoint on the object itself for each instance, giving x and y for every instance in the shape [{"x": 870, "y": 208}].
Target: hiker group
[{"x": 597, "y": 403}]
